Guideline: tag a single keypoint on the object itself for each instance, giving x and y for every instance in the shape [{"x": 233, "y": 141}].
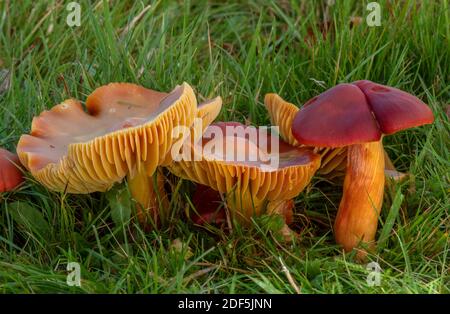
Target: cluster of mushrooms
[{"x": 127, "y": 131}]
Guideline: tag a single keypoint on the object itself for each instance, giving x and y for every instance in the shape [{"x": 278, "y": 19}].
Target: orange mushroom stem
[
  {"x": 151, "y": 197},
  {"x": 358, "y": 212}
]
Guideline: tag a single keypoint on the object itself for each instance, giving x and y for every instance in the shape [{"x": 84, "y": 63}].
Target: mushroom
[
  {"x": 254, "y": 176},
  {"x": 356, "y": 116},
  {"x": 208, "y": 206},
  {"x": 10, "y": 174},
  {"x": 126, "y": 131},
  {"x": 334, "y": 160}
]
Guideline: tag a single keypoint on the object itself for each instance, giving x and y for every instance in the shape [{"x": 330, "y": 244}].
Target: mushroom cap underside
[
  {"x": 256, "y": 172},
  {"x": 208, "y": 111},
  {"x": 281, "y": 114},
  {"x": 125, "y": 125}
]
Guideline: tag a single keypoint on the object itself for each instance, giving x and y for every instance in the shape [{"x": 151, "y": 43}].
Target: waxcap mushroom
[
  {"x": 334, "y": 160},
  {"x": 10, "y": 174},
  {"x": 251, "y": 183},
  {"x": 357, "y": 115},
  {"x": 208, "y": 205},
  {"x": 126, "y": 127}
]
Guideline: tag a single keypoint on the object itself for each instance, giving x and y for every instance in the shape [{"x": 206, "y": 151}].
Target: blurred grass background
[{"x": 240, "y": 50}]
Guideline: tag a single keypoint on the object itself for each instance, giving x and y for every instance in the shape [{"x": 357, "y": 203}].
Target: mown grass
[{"x": 239, "y": 51}]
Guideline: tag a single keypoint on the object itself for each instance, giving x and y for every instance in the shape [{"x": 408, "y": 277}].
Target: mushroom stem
[
  {"x": 150, "y": 196},
  {"x": 284, "y": 208},
  {"x": 358, "y": 212},
  {"x": 244, "y": 206}
]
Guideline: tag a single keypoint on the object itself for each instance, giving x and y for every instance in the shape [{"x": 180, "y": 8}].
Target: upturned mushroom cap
[
  {"x": 208, "y": 111},
  {"x": 10, "y": 174},
  {"x": 218, "y": 168},
  {"x": 125, "y": 125},
  {"x": 281, "y": 114},
  {"x": 357, "y": 113}
]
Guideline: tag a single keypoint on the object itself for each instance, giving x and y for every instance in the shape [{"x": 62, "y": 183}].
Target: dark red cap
[
  {"x": 208, "y": 206},
  {"x": 355, "y": 113},
  {"x": 394, "y": 109},
  {"x": 10, "y": 174}
]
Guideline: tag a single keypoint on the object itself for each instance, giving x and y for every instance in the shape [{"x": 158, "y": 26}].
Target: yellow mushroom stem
[
  {"x": 148, "y": 192},
  {"x": 243, "y": 206},
  {"x": 357, "y": 217}
]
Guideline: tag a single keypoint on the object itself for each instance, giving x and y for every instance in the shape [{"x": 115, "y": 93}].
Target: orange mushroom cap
[
  {"x": 10, "y": 174},
  {"x": 125, "y": 125}
]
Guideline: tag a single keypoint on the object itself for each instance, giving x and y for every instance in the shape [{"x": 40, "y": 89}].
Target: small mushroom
[
  {"x": 126, "y": 131},
  {"x": 252, "y": 184},
  {"x": 356, "y": 116},
  {"x": 10, "y": 174},
  {"x": 208, "y": 206}
]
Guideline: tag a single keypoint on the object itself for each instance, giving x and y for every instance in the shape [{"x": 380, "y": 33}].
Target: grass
[{"x": 239, "y": 51}]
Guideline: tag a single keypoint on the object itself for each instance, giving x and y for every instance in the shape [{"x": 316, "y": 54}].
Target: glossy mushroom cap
[
  {"x": 357, "y": 113},
  {"x": 254, "y": 175},
  {"x": 125, "y": 126},
  {"x": 394, "y": 109},
  {"x": 10, "y": 174}
]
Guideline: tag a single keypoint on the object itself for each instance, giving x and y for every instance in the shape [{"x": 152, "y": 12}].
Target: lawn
[{"x": 241, "y": 51}]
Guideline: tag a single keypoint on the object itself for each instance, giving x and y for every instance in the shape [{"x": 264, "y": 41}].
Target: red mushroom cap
[
  {"x": 207, "y": 202},
  {"x": 10, "y": 174},
  {"x": 355, "y": 113},
  {"x": 338, "y": 117},
  {"x": 394, "y": 109}
]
